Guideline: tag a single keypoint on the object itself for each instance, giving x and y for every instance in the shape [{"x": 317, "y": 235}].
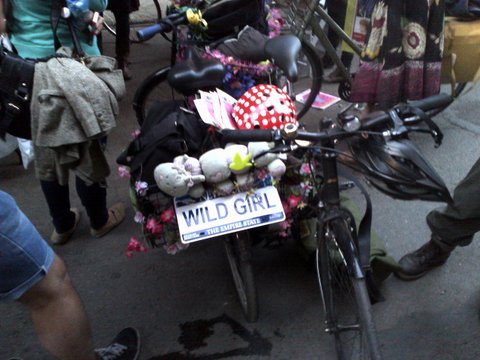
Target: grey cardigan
[{"x": 72, "y": 107}]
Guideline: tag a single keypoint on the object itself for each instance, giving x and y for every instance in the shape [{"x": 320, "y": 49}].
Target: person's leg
[
  {"x": 68, "y": 336},
  {"x": 122, "y": 41},
  {"x": 58, "y": 201},
  {"x": 31, "y": 273},
  {"x": 451, "y": 226},
  {"x": 64, "y": 218},
  {"x": 94, "y": 199}
]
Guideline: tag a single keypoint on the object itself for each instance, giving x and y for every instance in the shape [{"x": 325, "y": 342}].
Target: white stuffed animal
[
  {"x": 214, "y": 165},
  {"x": 174, "y": 180},
  {"x": 258, "y": 147},
  {"x": 191, "y": 164}
]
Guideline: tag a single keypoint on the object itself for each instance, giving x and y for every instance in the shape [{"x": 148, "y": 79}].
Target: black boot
[{"x": 417, "y": 263}]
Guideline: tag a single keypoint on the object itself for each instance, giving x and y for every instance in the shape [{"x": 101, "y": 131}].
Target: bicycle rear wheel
[
  {"x": 239, "y": 254},
  {"x": 152, "y": 89},
  {"x": 149, "y": 16},
  {"x": 309, "y": 82},
  {"x": 347, "y": 305}
]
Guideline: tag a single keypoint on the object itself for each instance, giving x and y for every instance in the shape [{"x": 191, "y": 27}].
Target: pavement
[{"x": 185, "y": 305}]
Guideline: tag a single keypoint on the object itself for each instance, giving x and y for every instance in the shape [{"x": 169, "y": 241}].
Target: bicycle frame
[
  {"x": 331, "y": 209},
  {"x": 315, "y": 11}
]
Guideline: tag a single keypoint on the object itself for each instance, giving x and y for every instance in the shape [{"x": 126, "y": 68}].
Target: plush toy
[
  {"x": 174, "y": 180},
  {"x": 258, "y": 147},
  {"x": 238, "y": 158},
  {"x": 191, "y": 164},
  {"x": 277, "y": 168},
  {"x": 214, "y": 165}
]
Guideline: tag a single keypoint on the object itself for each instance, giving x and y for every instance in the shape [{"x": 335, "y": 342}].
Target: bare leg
[{"x": 58, "y": 315}]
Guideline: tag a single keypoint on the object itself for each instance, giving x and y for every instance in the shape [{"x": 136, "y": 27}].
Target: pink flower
[
  {"x": 139, "y": 218},
  {"x": 141, "y": 188},
  {"x": 167, "y": 215},
  {"x": 286, "y": 209},
  {"x": 136, "y": 133},
  {"x": 134, "y": 246},
  {"x": 293, "y": 201},
  {"x": 305, "y": 169},
  {"x": 174, "y": 248},
  {"x": 123, "y": 172},
  {"x": 153, "y": 226}
]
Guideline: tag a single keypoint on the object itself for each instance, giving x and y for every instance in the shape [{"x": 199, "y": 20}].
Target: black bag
[
  {"x": 226, "y": 18},
  {"x": 16, "y": 80},
  {"x": 168, "y": 131}
]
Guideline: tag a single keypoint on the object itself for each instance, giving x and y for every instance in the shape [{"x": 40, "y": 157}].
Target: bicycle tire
[
  {"x": 347, "y": 304},
  {"x": 136, "y": 21},
  {"x": 152, "y": 89},
  {"x": 239, "y": 255}
]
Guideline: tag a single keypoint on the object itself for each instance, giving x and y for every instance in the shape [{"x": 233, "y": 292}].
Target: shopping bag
[{"x": 461, "y": 57}]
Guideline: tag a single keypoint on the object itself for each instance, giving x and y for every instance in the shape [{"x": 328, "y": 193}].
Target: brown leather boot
[{"x": 417, "y": 263}]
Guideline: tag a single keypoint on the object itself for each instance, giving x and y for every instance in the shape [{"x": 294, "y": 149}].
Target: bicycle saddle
[
  {"x": 283, "y": 51},
  {"x": 196, "y": 72}
]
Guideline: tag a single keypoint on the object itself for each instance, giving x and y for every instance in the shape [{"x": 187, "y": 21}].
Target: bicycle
[
  {"x": 302, "y": 73},
  {"x": 137, "y": 20},
  {"x": 342, "y": 255}
]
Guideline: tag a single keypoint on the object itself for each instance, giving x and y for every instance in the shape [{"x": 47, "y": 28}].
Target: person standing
[
  {"x": 28, "y": 24},
  {"x": 121, "y": 9},
  {"x": 402, "y": 56},
  {"x": 32, "y": 274},
  {"x": 452, "y": 225}
]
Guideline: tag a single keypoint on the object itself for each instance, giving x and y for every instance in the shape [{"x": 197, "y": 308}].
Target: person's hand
[{"x": 95, "y": 21}]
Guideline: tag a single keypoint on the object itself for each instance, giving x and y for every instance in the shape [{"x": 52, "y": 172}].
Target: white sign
[{"x": 224, "y": 215}]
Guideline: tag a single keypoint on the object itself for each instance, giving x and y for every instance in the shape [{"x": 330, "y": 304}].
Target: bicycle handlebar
[
  {"x": 169, "y": 22},
  {"x": 374, "y": 120}
]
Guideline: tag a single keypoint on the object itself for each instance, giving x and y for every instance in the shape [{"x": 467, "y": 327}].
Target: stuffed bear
[
  {"x": 174, "y": 180},
  {"x": 214, "y": 165}
]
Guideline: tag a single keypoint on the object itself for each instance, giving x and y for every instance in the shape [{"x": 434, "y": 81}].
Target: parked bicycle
[
  {"x": 392, "y": 164},
  {"x": 296, "y": 65}
]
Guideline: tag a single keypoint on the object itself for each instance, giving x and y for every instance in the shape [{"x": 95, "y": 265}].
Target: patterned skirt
[{"x": 402, "y": 56}]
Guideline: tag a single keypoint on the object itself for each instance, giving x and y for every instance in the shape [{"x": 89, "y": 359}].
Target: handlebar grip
[
  {"x": 433, "y": 102},
  {"x": 248, "y": 135},
  {"x": 152, "y": 30}
]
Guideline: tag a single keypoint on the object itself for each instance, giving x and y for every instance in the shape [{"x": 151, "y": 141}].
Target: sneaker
[
  {"x": 116, "y": 214},
  {"x": 417, "y": 263},
  {"x": 62, "y": 238},
  {"x": 125, "y": 346}
]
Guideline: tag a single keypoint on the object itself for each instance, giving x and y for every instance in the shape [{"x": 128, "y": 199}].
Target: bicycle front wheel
[
  {"x": 239, "y": 254},
  {"x": 151, "y": 14},
  {"x": 346, "y": 301}
]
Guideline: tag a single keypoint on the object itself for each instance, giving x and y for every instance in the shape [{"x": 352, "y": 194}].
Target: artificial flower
[
  {"x": 134, "y": 246},
  {"x": 139, "y": 218},
  {"x": 141, "y": 187},
  {"x": 123, "y": 172},
  {"x": 167, "y": 215},
  {"x": 135, "y": 133},
  {"x": 153, "y": 226}
]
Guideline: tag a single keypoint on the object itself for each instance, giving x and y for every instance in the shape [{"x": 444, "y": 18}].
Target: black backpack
[{"x": 168, "y": 131}]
